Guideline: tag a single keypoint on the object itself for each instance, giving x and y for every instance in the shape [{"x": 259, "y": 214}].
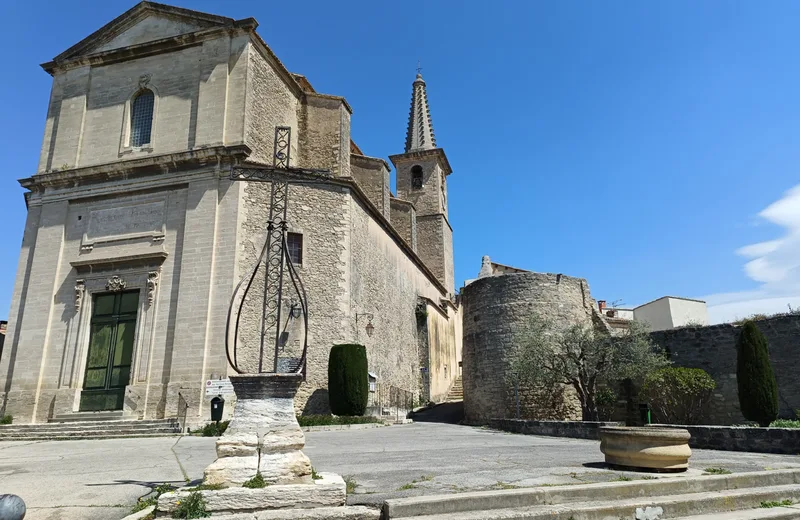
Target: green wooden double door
[{"x": 111, "y": 339}]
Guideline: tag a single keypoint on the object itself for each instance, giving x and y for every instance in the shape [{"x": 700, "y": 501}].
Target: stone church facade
[{"x": 136, "y": 236}]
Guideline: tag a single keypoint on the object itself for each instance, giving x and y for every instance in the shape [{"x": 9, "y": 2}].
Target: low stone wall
[
  {"x": 728, "y": 438},
  {"x": 713, "y": 349},
  {"x": 575, "y": 429},
  {"x": 731, "y": 438}
]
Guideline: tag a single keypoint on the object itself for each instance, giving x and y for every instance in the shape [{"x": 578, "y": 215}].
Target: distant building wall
[
  {"x": 714, "y": 350},
  {"x": 655, "y": 314}
]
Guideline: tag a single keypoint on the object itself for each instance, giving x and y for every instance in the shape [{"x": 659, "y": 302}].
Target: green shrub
[
  {"x": 758, "y": 390},
  {"x": 606, "y": 400},
  {"x": 256, "y": 482},
  {"x": 678, "y": 395},
  {"x": 7, "y": 419},
  {"x": 784, "y": 423},
  {"x": 193, "y": 506},
  {"x": 214, "y": 429},
  {"x": 328, "y": 420},
  {"x": 348, "y": 383}
]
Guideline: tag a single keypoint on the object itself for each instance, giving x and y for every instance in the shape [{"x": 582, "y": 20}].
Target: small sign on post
[{"x": 221, "y": 387}]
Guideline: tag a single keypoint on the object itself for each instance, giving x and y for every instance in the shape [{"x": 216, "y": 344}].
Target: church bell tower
[{"x": 422, "y": 172}]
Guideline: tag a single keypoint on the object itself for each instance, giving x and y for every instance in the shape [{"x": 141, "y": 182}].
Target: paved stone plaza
[{"x": 101, "y": 479}]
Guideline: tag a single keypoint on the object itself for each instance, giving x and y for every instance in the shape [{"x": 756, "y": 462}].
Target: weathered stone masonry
[
  {"x": 713, "y": 349},
  {"x": 496, "y": 309},
  {"x": 219, "y": 92}
]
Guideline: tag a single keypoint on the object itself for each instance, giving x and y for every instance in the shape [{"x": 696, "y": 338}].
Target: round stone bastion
[{"x": 497, "y": 309}]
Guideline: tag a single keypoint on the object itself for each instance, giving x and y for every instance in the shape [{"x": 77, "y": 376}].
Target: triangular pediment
[{"x": 145, "y": 22}]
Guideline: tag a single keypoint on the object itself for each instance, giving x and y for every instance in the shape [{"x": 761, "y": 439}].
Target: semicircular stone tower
[{"x": 496, "y": 310}]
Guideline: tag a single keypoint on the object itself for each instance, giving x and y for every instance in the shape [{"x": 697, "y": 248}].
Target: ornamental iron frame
[{"x": 274, "y": 256}]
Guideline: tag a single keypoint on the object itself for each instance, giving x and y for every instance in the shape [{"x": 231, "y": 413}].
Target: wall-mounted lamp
[
  {"x": 370, "y": 328},
  {"x": 296, "y": 310}
]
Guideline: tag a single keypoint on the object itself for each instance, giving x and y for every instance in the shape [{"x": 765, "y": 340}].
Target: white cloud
[{"x": 774, "y": 263}]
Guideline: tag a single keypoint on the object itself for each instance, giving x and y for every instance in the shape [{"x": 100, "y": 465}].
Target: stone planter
[{"x": 665, "y": 449}]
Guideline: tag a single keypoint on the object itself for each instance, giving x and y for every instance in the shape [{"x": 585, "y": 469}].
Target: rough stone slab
[
  {"x": 329, "y": 491},
  {"x": 281, "y": 468},
  {"x": 321, "y": 513}
]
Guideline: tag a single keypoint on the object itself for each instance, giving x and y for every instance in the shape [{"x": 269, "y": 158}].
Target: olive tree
[{"x": 545, "y": 356}]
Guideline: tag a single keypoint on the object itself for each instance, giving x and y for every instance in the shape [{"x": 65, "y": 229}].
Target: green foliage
[
  {"x": 782, "y": 503},
  {"x": 329, "y": 420},
  {"x": 758, "y": 390},
  {"x": 256, "y": 482},
  {"x": 315, "y": 475},
  {"x": 145, "y": 502},
  {"x": 606, "y": 401},
  {"x": 717, "y": 471},
  {"x": 348, "y": 382},
  {"x": 193, "y": 506},
  {"x": 7, "y": 419},
  {"x": 678, "y": 395},
  {"x": 350, "y": 484},
  {"x": 545, "y": 356},
  {"x": 784, "y": 423},
  {"x": 214, "y": 430}
]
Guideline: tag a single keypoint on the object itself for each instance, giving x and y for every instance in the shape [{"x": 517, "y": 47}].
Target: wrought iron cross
[{"x": 274, "y": 255}]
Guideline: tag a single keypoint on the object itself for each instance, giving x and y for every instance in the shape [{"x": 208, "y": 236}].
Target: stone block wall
[
  {"x": 760, "y": 440},
  {"x": 496, "y": 311},
  {"x": 713, "y": 349}
]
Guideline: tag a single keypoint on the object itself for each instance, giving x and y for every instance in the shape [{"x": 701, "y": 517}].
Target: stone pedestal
[
  {"x": 263, "y": 415},
  {"x": 663, "y": 449}
]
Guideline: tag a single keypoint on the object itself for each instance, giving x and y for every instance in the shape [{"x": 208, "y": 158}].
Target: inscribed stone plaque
[{"x": 126, "y": 220}]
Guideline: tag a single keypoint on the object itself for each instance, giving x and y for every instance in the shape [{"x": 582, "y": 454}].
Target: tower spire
[{"x": 420, "y": 134}]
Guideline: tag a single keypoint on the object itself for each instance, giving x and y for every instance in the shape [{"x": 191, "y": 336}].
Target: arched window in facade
[
  {"x": 142, "y": 118},
  {"x": 416, "y": 177}
]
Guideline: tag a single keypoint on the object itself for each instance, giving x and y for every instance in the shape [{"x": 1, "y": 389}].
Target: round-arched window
[{"x": 142, "y": 118}]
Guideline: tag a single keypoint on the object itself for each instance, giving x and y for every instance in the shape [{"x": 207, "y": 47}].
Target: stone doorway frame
[{"x": 102, "y": 277}]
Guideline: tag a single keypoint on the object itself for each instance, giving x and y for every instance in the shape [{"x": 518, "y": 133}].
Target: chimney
[{"x": 601, "y": 304}]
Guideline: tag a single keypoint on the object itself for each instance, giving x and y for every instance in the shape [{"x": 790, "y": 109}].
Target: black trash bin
[{"x": 217, "y": 405}]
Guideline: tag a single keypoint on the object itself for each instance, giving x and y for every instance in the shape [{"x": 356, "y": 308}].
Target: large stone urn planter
[{"x": 661, "y": 449}]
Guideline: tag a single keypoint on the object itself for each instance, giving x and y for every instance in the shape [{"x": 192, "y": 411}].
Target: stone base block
[
  {"x": 283, "y": 468},
  {"x": 329, "y": 491}
]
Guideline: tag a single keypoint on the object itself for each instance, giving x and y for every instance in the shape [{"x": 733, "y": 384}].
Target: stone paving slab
[{"x": 68, "y": 480}]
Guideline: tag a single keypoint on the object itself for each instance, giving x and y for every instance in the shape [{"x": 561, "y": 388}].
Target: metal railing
[
  {"x": 183, "y": 408},
  {"x": 390, "y": 402}
]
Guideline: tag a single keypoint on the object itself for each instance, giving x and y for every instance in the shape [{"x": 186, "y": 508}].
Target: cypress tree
[
  {"x": 348, "y": 379},
  {"x": 758, "y": 390}
]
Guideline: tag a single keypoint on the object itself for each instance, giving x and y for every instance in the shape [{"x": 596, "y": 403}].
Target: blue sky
[{"x": 651, "y": 148}]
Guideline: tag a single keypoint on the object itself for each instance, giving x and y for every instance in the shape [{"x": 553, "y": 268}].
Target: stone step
[
  {"x": 94, "y": 416},
  {"x": 539, "y": 496},
  {"x": 673, "y": 506},
  {"x": 781, "y": 513},
  {"x": 89, "y": 429},
  {"x": 89, "y": 425},
  {"x": 87, "y": 435},
  {"x": 317, "y": 513}
]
